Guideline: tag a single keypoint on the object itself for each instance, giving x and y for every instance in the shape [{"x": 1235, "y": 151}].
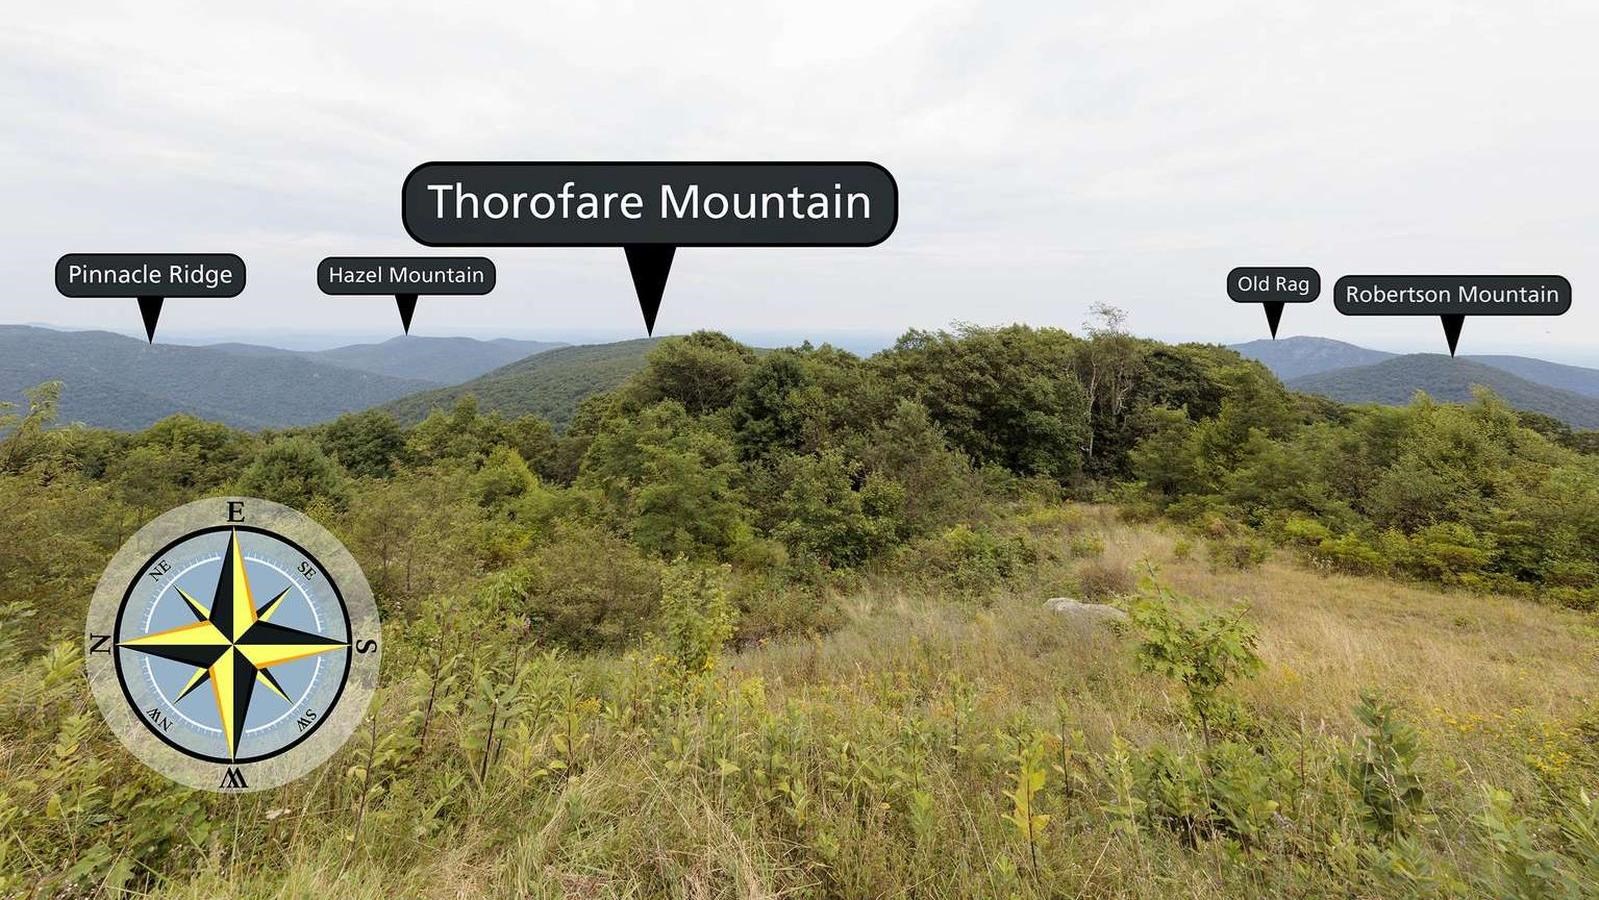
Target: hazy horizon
[{"x": 863, "y": 342}]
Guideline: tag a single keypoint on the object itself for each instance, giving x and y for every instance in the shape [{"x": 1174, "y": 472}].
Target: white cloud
[{"x": 1050, "y": 155}]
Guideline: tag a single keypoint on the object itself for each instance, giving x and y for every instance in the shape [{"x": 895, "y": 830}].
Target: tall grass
[{"x": 908, "y": 753}]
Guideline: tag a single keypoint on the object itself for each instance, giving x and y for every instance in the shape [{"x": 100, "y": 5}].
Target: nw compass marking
[{"x": 233, "y": 644}]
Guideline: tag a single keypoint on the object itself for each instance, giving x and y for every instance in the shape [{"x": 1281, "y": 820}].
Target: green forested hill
[
  {"x": 1396, "y": 380},
  {"x": 550, "y": 384}
]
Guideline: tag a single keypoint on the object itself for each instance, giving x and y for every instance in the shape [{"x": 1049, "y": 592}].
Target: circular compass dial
[{"x": 233, "y": 644}]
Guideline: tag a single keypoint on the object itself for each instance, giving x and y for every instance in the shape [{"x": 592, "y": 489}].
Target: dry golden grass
[
  {"x": 1494, "y": 684},
  {"x": 1447, "y": 656}
]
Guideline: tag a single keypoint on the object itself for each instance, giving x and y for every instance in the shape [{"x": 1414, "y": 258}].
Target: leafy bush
[
  {"x": 1382, "y": 768},
  {"x": 1239, "y": 553},
  {"x": 1348, "y": 553},
  {"x": 775, "y": 603},
  {"x": 1086, "y": 544},
  {"x": 967, "y": 561},
  {"x": 1204, "y": 653},
  {"x": 584, "y": 589},
  {"x": 696, "y": 616},
  {"x": 1002, "y": 395},
  {"x": 1173, "y": 787},
  {"x": 295, "y": 472},
  {"x": 366, "y": 444},
  {"x": 1242, "y": 791},
  {"x": 1306, "y": 532},
  {"x": 1580, "y": 599},
  {"x": 1449, "y": 552},
  {"x": 1522, "y": 868},
  {"x": 826, "y": 517}
]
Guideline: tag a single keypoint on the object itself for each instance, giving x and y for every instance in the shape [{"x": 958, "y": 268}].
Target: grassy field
[{"x": 883, "y": 758}]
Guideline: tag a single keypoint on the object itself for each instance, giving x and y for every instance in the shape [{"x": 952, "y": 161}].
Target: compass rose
[
  {"x": 204, "y": 681},
  {"x": 232, "y": 644}
]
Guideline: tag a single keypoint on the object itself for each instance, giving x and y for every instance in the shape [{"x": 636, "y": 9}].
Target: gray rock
[{"x": 1077, "y": 609}]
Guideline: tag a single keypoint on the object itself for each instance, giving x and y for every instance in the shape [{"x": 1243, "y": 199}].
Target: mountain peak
[{"x": 1301, "y": 355}]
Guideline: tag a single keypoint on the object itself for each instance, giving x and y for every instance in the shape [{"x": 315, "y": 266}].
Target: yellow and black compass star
[{"x": 232, "y": 644}]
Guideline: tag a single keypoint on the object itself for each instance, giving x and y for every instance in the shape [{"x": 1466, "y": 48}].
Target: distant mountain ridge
[
  {"x": 120, "y": 382},
  {"x": 1355, "y": 374},
  {"x": 1395, "y": 381},
  {"x": 440, "y": 360},
  {"x": 1295, "y": 357},
  {"x": 114, "y": 381},
  {"x": 1577, "y": 379}
]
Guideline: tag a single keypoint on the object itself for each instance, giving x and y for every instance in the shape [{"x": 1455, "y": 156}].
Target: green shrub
[
  {"x": 1228, "y": 791},
  {"x": 696, "y": 616},
  {"x": 584, "y": 590},
  {"x": 1381, "y": 767},
  {"x": 968, "y": 561},
  {"x": 1306, "y": 532},
  {"x": 772, "y": 604},
  {"x": 1239, "y": 553},
  {"x": 1174, "y": 791},
  {"x": 827, "y": 517},
  {"x": 1580, "y": 599},
  {"x": 295, "y": 472},
  {"x": 1204, "y": 653},
  {"x": 1348, "y": 553},
  {"x": 1522, "y": 868},
  {"x": 1045, "y": 517},
  {"x": 1086, "y": 544},
  {"x": 1449, "y": 552},
  {"x": 1242, "y": 791}
]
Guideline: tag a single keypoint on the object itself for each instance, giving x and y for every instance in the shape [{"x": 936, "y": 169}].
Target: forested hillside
[
  {"x": 1396, "y": 380},
  {"x": 550, "y": 385},
  {"x": 773, "y": 623}
]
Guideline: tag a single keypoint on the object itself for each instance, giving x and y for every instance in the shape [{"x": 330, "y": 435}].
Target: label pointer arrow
[
  {"x": 407, "y": 304},
  {"x": 150, "y": 311},
  {"x": 1274, "y": 315},
  {"x": 649, "y": 265},
  {"x": 1452, "y": 325}
]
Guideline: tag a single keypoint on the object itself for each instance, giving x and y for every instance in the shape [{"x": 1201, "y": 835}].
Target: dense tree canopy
[{"x": 802, "y": 460}]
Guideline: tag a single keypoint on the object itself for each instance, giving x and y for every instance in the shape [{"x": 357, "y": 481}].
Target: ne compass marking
[{"x": 233, "y": 644}]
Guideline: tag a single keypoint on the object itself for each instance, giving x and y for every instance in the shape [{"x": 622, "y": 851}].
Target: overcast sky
[{"x": 1049, "y": 155}]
